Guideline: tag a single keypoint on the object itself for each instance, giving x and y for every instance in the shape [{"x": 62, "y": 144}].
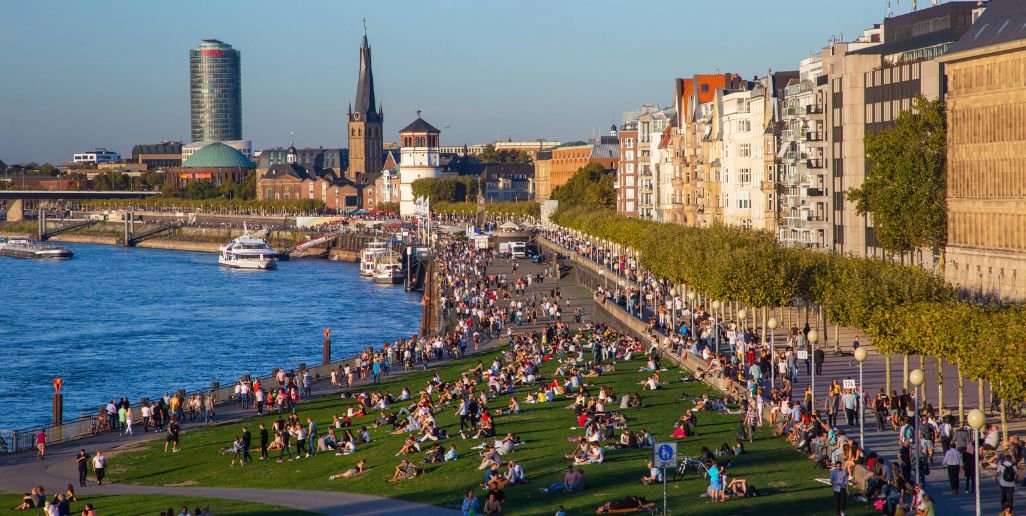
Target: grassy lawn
[
  {"x": 138, "y": 505},
  {"x": 784, "y": 478}
]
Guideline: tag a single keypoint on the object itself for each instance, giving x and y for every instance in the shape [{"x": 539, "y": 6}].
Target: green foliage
[
  {"x": 519, "y": 208},
  {"x": 490, "y": 155},
  {"x": 200, "y": 190},
  {"x": 590, "y": 186},
  {"x": 446, "y": 189},
  {"x": 294, "y": 206},
  {"x": 111, "y": 180},
  {"x": 905, "y": 186},
  {"x": 245, "y": 190},
  {"x": 387, "y": 206}
]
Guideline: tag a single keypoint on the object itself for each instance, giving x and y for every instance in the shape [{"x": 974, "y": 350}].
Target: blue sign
[{"x": 665, "y": 455}]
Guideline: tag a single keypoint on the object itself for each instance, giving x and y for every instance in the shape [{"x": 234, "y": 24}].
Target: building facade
[
  {"x": 95, "y": 157},
  {"x": 243, "y": 146},
  {"x": 553, "y": 168},
  {"x": 215, "y": 80},
  {"x": 419, "y": 158},
  {"x": 158, "y": 156},
  {"x": 366, "y": 118},
  {"x": 216, "y": 163},
  {"x": 508, "y": 182},
  {"x": 986, "y": 198}
]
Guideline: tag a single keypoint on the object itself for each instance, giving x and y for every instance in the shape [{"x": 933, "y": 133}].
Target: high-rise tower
[
  {"x": 365, "y": 120},
  {"x": 215, "y": 80}
]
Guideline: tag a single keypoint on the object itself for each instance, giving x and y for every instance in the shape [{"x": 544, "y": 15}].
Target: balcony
[
  {"x": 813, "y": 136},
  {"x": 814, "y": 163},
  {"x": 815, "y": 192},
  {"x": 792, "y": 201},
  {"x": 813, "y": 109},
  {"x": 795, "y": 156},
  {"x": 796, "y": 223}
]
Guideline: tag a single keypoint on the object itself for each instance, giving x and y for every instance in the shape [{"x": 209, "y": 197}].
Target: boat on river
[
  {"x": 21, "y": 247},
  {"x": 388, "y": 268},
  {"x": 369, "y": 255},
  {"x": 248, "y": 252}
]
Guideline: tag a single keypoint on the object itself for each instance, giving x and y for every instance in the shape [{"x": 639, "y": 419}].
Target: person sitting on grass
[
  {"x": 361, "y": 467},
  {"x": 405, "y": 470},
  {"x": 408, "y": 447},
  {"x": 494, "y": 479},
  {"x": 486, "y": 429},
  {"x": 452, "y": 454},
  {"x": 654, "y": 474},
  {"x": 27, "y": 501},
  {"x": 434, "y": 455},
  {"x": 573, "y": 480},
  {"x": 740, "y": 488},
  {"x": 489, "y": 457},
  {"x": 348, "y": 448},
  {"x": 595, "y": 455}
]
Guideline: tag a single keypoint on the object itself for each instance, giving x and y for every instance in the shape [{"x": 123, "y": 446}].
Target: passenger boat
[
  {"x": 388, "y": 268},
  {"x": 21, "y": 247},
  {"x": 248, "y": 252},
  {"x": 368, "y": 257}
]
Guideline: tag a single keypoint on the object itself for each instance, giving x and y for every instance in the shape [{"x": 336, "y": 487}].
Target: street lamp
[
  {"x": 602, "y": 274},
  {"x": 813, "y": 337},
  {"x": 772, "y": 325},
  {"x": 976, "y": 420},
  {"x": 860, "y": 356},
  {"x": 741, "y": 314},
  {"x": 716, "y": 324},
  {"x": 691, "y": 304},
  {"x": 916, "y": 378}
]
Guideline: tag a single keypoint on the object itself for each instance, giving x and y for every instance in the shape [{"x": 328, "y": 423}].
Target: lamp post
[
  {"x": 772, "y": 324},
  {"x": 691, "y": 304},
  {"x": 716, "y": 324},
  {"x": 813, "y": 337},
  {"x": 741, "y": 314},
  {"x": 860, "y": 356},
  {"x": 916, "y": 377},
  {"x": 976, "y": 420},
  {"x": 602, "y": 274}
]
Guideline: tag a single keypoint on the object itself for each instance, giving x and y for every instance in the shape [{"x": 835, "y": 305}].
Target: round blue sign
[{"x": 665, "y": 452}]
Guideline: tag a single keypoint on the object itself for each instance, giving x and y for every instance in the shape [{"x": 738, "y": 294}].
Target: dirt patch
[{"x": 187, "y": 483}]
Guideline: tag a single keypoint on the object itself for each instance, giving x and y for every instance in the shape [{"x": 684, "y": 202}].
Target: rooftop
[{"x": 218, "y": 155}]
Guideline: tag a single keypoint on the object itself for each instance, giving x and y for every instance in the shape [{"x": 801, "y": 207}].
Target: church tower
[{"x": 365, "y": 120}]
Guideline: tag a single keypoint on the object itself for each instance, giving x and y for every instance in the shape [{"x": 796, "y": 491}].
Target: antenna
[
  {"x": 364, "y": 25},
  {"x": 418, "y": 113}
]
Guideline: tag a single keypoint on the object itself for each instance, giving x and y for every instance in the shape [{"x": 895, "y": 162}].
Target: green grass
[
  {"x": 137, "y": 505},
  {"x": 784, "y": 477}
]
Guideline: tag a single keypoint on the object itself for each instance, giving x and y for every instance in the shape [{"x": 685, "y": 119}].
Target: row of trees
[
  {"x": 469, "y": 209},
  {"x": 161, "y": 203},
  {"x": 490, "y": 155},
  {"x": 904, "y": 309},
  {"x": 446, "y": 189},
  {"x": 591, "y": 186}
]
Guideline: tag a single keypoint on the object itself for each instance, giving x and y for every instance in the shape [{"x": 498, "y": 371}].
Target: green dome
[{"x": 218, "y": 155}]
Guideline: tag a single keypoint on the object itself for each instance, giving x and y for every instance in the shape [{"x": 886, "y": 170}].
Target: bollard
[{"x": 58, "y": 402}]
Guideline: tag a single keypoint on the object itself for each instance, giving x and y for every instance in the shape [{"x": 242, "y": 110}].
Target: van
[{"x": 518, "y": 249}]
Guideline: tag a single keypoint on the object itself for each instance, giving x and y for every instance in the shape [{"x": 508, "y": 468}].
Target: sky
[{"x": 79, "y": 75}]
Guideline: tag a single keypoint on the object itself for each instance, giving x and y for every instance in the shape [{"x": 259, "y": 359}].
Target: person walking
[
  {"x": 264, "y": 438},
  {"x": 82, "y": 461},
  {"x": 173, "y": 432},
  {"x": 99, "y": 466},
  {"x": 953, "y": 462},
  {"x": 247, "y": 441},
  {"x": 839, "y": 481},
  {"x": 41, "y": 445},
  {"x": 1006, "y": 477},
  {"x": 129, "y": 419}
]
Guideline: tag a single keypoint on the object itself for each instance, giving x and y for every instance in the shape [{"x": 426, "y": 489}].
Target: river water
[{"x": 118, "y": 322}]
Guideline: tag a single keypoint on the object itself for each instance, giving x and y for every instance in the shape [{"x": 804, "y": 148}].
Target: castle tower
[{"x": 365, "y": 120}]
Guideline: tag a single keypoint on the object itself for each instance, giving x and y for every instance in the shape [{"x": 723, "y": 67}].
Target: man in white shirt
[
  {"x": 1006, "y": 477},
  {"x": 953, "y": 462}
]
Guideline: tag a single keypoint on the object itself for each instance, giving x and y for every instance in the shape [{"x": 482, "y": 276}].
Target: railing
[
  {"x": 813, "y": 136},
  {"x": 813, "y": 109},
  {"x": 814, "y": 163}
]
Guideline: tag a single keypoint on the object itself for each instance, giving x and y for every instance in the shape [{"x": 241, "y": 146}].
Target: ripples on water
[{"x": 118, "y": 322}]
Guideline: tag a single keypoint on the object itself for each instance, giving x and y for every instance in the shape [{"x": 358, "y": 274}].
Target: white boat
[
  {"x": 21, "y": 247},
  {"x": 369, "y": 255},
  {"x": 248, "y": 252},
  {"x": 388, "y": 268}
]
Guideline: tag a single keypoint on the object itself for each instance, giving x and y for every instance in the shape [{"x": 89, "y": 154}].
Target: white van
[{"x": 518, "y": 249}]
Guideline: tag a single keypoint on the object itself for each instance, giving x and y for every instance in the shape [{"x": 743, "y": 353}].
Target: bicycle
[{"x": 689, "y": 463}]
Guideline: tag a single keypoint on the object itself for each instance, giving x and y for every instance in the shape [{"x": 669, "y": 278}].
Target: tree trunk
[
  {"x": 887, "y": 373},
  {"x": 979, "y": 388},
  {"x": 922, "y": 367},
  {"x": 904, "y": 377},
  {"x": 763, "y": 329},
  {"x": 961, "y": 397},
  {"x": 1004, "y": 421},
  {"x": 940, "y": 385}
]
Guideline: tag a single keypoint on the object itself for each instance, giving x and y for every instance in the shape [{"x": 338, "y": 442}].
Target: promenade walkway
[
  {"x": 20, "y": 472},
  {"x": 843, "y": 366}
]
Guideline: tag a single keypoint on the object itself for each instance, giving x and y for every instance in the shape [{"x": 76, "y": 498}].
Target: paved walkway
[{"x": 20, "y": 472}]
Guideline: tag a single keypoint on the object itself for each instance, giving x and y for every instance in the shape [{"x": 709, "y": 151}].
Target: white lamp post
[
  {"x": 976, "y": 420},
  {"x": 860, "y": 355},
  {"x": 813, "y": 337},
  {"x": 772, "y": 324},
  {"x": 716, "y": 324},
  {"x": 916, "y": 378},
  {"x": 741, "y": 314},
  {"x": 691, "y": 304}
]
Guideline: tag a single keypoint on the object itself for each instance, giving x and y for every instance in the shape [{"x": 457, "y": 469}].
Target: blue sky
[{"x": 77, "y": 75}]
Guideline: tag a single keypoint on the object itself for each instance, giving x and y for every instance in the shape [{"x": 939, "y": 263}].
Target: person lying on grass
[{"x": 361, "y": 467}]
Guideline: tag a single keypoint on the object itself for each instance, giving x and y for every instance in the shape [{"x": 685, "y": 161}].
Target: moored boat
[
  {"x": 388, "y": 268},
  {"x": 248, "y": 252},
  {"x": 369, "y": 255},
  {"x": 21, "y": 247}
]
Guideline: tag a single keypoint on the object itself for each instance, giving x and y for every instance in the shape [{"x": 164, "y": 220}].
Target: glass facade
[{"x": 215, "y": 79}]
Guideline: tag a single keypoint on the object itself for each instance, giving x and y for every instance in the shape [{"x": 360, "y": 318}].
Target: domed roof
[{"x": 218, "y": 155}]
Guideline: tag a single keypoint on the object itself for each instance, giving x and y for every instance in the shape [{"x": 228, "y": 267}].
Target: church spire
[{"x": 365, "y": 101}]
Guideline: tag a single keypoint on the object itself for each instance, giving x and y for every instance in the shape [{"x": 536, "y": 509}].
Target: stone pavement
[{"x": 20, "y": 472}]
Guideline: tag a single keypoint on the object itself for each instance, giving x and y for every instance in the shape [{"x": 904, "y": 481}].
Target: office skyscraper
[{"x": 215, "y": 80}]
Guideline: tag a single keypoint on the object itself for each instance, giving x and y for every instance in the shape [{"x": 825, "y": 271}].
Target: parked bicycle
[{"x": 688, "y": 463}]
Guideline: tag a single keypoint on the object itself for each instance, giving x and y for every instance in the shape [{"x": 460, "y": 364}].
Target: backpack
[
  {"x": 929, "y": 432},
  {"x": 1008, "y": 474}
]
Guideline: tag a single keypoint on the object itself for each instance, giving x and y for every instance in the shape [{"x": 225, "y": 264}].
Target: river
[{"x": 118, "y": 322}]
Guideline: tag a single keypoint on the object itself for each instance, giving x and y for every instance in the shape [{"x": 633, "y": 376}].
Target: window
[
  {"x": 746, "y": 175},
  {"x": 744, "y": 150}
]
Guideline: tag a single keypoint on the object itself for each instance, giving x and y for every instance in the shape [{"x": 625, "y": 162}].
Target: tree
[
  {"x": 590, "y": 186},
  {"x": 200, "y": 190},
  {"x": 446, "y": 189},
  {"x": 490, "y": 155},
  {"x": 904, "y": 190},
  {"x": 48, "y": 169}
]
